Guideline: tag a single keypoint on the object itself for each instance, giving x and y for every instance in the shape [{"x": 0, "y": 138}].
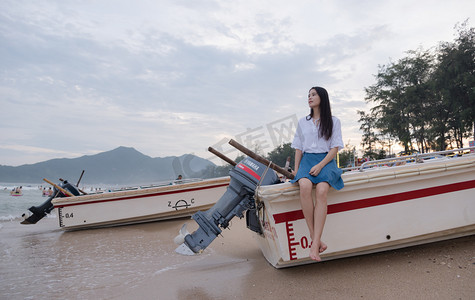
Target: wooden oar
[
  {"x": 59, "y": 188},
  {"x": 261, "y": 159},
  {"x": 80, "y": 177},
  {"x": 222, "y": 156}
]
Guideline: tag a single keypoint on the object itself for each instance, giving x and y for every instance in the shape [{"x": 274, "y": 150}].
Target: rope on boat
[{"x": 260, "y": 204}]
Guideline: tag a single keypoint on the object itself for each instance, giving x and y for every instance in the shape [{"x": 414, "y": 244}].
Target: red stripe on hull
[
  {"x": 380, "y": 200},
  {"x": 143, "y": 196}
]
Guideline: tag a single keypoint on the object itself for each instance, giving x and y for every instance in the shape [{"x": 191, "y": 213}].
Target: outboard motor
[
  {"x": 245, "y": 177},
  {"x": 37, "y": 213}
]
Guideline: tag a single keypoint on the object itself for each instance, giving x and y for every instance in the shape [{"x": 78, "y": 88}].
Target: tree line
[
  {"x": 278, "y": 156},
  {"x": 424, "y": 101}
]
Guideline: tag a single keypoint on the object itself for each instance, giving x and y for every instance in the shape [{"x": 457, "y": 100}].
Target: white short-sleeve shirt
[{"x": 307, "y": 138}]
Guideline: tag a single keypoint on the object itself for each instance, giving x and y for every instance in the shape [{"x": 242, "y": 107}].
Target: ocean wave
[
  {"x": 11, "y": 218},
  {"x": 27, "y": 186},
  {"x": 166, "y": 269}
]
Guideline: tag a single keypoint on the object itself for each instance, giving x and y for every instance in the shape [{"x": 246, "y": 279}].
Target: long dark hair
[{"x": 326, "y": 122}]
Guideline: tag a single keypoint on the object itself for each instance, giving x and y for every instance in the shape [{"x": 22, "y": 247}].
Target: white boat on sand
[
  {"x": 137, "y": 206},
  {"x": 380, "y": 208},
  {"x": 134, "y": 205}
]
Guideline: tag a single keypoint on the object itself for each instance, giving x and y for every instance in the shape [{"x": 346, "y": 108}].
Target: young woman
[{"x": 317, "y": 141}]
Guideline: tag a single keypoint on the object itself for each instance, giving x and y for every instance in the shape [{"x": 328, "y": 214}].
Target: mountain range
[{"x": 122, "y": 165}]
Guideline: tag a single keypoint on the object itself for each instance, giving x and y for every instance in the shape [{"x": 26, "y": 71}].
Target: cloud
[{"x": 174, "y": 77}]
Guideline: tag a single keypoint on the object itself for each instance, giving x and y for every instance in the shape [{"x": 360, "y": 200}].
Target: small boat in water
[
  {"x": 180, "y": 198},
  {"x": 16, "y": 192},
  {"x": 386, "y": 204}
]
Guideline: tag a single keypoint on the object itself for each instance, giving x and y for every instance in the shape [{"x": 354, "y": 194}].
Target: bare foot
[
  {"x": 315, "y": 251},
  {"x": 323, "y": 247}
]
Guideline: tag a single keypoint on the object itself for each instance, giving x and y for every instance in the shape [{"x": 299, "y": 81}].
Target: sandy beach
[{"x": 139, "y": 262}]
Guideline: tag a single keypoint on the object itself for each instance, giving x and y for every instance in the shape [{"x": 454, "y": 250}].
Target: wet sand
[{"x": 138, "y": 262}]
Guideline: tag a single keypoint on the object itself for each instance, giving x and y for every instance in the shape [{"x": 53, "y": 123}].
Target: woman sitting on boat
[{"x": 317, "y": 141}]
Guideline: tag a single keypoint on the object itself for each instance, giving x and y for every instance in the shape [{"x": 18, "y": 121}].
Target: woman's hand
[
  {"x": 315, "y": 170},
  {"x": 294, "y": 172}
]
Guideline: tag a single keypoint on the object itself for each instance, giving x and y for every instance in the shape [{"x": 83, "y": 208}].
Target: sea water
[
  {"x": 41, "y": 261},
  {"x": 12, "y": 207}
]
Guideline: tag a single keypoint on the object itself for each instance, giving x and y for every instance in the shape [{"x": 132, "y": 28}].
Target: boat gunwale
[
  {"x": 356, "y": 178},
  {"x": 141, "y": 193},
  {"x": 418, "y": 157}
]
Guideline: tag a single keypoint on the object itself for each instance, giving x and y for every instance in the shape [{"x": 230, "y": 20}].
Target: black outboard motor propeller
[
  {"x": 239, "y": 197},
  {"x": 36, "y": 213}
]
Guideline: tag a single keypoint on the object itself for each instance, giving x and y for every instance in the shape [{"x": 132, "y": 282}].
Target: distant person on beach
[{"x": 316, "y": 142}]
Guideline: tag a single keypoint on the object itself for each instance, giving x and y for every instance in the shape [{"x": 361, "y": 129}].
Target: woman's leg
[
  {"x": 320, "y": 215},
  {"x": 306, "y": 201}
]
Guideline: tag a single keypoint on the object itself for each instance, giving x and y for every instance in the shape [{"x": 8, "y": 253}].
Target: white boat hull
[
  {"x": 377, "y": 210},
  {"x": 137, "y": 206}
]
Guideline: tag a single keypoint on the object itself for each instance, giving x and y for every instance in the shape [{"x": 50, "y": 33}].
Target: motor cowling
[{"x": 239, "y": 197}]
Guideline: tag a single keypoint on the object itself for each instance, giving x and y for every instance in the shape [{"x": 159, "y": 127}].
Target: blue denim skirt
[{"x": 329, "y": 173}]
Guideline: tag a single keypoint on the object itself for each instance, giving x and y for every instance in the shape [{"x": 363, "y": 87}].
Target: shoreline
[
  {"x": 235, "y": 268},
  {"x": 138, "y": 261}
]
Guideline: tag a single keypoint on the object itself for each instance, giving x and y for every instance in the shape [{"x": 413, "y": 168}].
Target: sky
[{"x": 174, "y": 77}]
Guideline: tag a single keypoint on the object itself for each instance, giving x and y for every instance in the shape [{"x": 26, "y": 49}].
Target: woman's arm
[
  {"x": 298, "y": 158},
  {"x": 315, "y": 170}
]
